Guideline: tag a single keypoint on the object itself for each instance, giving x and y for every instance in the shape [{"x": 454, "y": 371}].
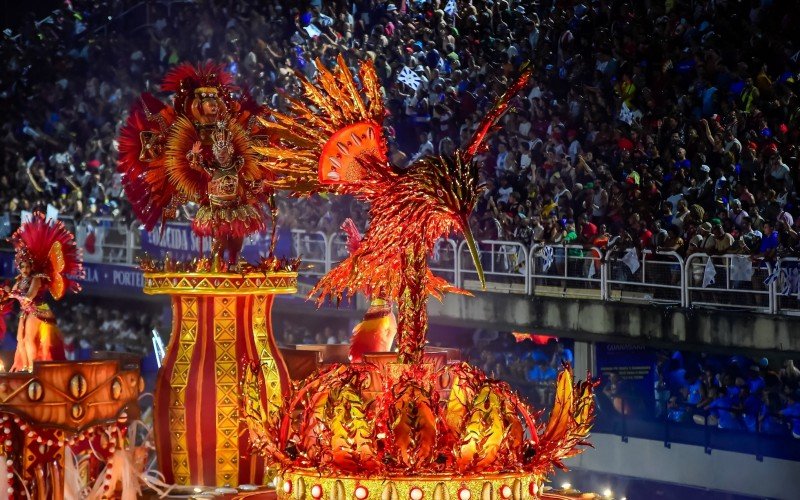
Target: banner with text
[
  {"x": 635, "y": 365},
  {"x": 181, "y": 243}
]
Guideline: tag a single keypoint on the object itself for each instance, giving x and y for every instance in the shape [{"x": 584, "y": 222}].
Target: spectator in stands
[
  {"x": 643, "y": 137},
  {"x": 792, "y": 413},
  {"x": 718, "y": 242},
  {"x": 541, "y": 372},
  {"x": 769, "y": 243}
]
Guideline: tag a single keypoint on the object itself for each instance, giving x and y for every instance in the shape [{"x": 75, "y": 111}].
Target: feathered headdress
[
  {"x": 141, "y": 159},
  {"x": 186, "y": 78},
  {"x": 50, "y": 250}
]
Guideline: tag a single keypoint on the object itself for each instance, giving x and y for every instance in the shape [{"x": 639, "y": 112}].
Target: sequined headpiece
[{"x": 221, "y": 141}]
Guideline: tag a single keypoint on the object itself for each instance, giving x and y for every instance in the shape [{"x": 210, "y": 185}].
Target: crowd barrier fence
[{"x": 724, "y": 282}]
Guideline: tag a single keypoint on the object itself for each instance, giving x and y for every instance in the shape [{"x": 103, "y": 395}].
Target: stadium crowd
[
  {"x": 659, "y": 125},
  {"x": 530, "y": 366},
  {"x": 728, "y": 392},
  {"x": 645, "y": 123},
  {"x": 89, "y": 325}
]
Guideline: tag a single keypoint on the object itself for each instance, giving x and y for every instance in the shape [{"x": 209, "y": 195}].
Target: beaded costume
[{"x": 48, "y": 260}]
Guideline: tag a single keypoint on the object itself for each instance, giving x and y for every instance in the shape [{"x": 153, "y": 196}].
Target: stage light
[
  {"x": 608, "y": 493},
  {"x": 566, "y": 486}
]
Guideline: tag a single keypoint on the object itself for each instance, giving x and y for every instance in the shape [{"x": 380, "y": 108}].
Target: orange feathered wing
[
  {"x": 327, "y": 135},
  {"x": 190, "y": 181},
  {"x": 56, "y": 257}
]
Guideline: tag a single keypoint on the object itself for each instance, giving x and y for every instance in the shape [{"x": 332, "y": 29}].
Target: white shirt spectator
[
  {"x": 504, "y": 193},
  {"x": 574, "y": 150},
  {"x": 524, "y": 161},
  {"x": 425, "y": 149},
  {"x": 737, "y": 218},
  {"x": 674, "y": 199},
  {"x": 524, "y": 127}
]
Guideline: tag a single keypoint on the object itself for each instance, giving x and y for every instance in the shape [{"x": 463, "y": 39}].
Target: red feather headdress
[
  {"x": 50, "y": 250},
  {"x": 185, "y": 78},
  {"x": 141, "y": 159}
]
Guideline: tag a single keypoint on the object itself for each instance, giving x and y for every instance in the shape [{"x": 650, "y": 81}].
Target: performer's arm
[
  {"x": 36, "y": 283},
  {"x": 26, "y": 297},
  {"x": 195, "y": 157}
]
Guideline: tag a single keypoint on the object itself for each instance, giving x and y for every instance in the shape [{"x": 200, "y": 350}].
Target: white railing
[
  {"x": 505, "y": 266},
  {"x": 787, "y": 286},
  {"x": 658, "y": 278},
  {"x": 314, "y": 249},
  {"x": 567, "y": 271},
  {"x": 728, "y": 282},
  {"x": 731, "y": 282},
  {"x": 444, "y": 261},
  {"x": 337, "y": 249}
]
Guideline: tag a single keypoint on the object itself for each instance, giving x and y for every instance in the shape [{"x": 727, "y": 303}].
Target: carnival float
[
  {"x": 392, "y": 424},
  {"x": 64, "y": 425},
  {"x": 402, "y": 424}
]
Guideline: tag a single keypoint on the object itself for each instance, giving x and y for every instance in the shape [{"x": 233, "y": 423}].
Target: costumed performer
[{"x": 46, "y": 254}]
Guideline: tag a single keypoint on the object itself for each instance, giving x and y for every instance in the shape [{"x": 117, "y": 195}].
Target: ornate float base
[
  {"x": 221, "y": 326},
  {"x": 66, "y": 409},
  {"x": 310, "y": 485}
]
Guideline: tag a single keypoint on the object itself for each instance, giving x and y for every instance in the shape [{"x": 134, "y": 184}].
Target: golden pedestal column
[{"x": 221, "y": 325}]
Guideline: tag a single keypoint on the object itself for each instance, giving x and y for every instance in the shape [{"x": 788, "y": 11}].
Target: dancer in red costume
[
  {"x": 46, "y": 255},
  {"x": 199, "y": 149},
  {"x": 376, "y": 332}
]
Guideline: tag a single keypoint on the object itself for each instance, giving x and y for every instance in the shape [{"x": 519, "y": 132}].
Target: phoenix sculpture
[
  {"x": 332, "y": 140},
  {"x": 359, "y": 420}
]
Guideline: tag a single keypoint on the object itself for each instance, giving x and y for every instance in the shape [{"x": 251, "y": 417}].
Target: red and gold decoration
[
  {"x": 402, "y": 424},
  {"x": 221, "y": 327},
  {"x": 201, "y": 149},
  {"x": 408, "y": 428},
  {"x": 198, "y": 149},
  {"x": 377, "y": 330},
  {"x": 63, "y": 427},
  {"x": 48, "y": 261}
]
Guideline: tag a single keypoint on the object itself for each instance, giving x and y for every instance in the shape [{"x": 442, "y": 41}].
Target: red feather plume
[
  {"x": 189, "y": 76},
  {"x": 184, "y": 78},
  {"x": 353, "y": 235},
  {"x": 145, "y": 183},
  {"x": 37, "y": 238}
]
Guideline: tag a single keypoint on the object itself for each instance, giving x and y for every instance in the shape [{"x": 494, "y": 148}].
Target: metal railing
[
  {"x": 444, "y": 260},
  {"x": 314, "y": 248},
  {"x": 567, "y": 271},
  {"x": 787, "y": 286},
  {"x": 505, "y": 265},
  {"x": 730, "y": 282},
  {"x": 658, "y": 278},
  {"x": 337, "y": 249}
]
